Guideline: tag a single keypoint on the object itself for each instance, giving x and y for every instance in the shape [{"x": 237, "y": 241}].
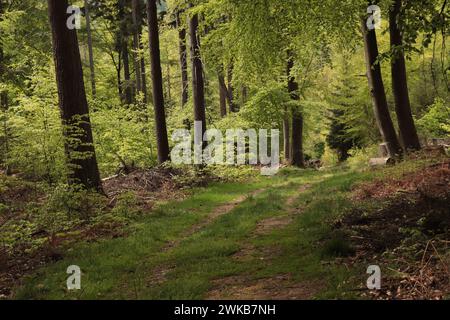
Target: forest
[{"x": 224, "y": 149}]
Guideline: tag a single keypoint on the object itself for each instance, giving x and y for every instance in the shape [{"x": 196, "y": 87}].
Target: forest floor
[{"x": 302, "y": 234}]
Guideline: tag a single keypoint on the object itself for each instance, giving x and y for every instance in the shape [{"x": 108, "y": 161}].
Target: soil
[
  {"x": 280, "y": 287},
  {"x": 411, "y": 221}
]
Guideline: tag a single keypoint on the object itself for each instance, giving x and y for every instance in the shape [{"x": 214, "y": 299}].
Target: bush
[
  {"x": 436, "y": 122},
  {"x": 330, "y": 157},
  {"x": 359, "y": 157}
]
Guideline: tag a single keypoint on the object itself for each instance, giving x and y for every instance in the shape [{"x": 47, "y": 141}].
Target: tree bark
[
  {"x": 230, "y": 97},
  {"x": 81, "y": 158},
  {"x": 144, "y": 76},
  {"x": 408, "y": 132},
  {"x": 4, "y": 102},
  {"x": 3, "y": 94},
  {"x": 125, "y": 53},
  {"x": 136, "y": 43},
  {"x": 287, "y": 139},
  {"x": 91, "y": 53},
  {"x": 297, "y": 157},
  {"x": 376, "y": 87},
  {"x": 183, "y": 61},
  {"x": 198, "y": 84},
  {"x": 158, "y": 93},
  {"x": 222, "y": 94}
]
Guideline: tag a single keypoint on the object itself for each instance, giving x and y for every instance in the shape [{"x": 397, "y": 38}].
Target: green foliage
[
  {"x": 436, "y": 122},
  {"x": 265, "y": 108},
  {"x": 359, "y": 157}
]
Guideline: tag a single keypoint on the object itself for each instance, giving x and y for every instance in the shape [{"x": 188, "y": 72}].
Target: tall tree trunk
[
  {"x": 198, "y": 85},
  {"x": 144, "y": 76},
  {"x": 231, "y": 103},
  {"x": 125, "y": 53},
  {"x": 244, "y": 95},
  {"x": 72, "y": 99},
  {"x": 287, "y": 139},
  {"x": 183, "y": 61},
  {"x": 297, "y": 158},
  {"x": 119, "y": 76},
  {"x": 222, "y": 94},
  {"x": 4, "y": 100},
  {"x": 126, "y": 72},
  {"x": 136, "y": 43},
  {"x": 158, "y": 94},
  {"x": 169, "y": 93},
  {"x": 408, "y": 132},
  {"x": 3, "y": 93},
  {"x": 376, "y": 86},
  {"x": 89, "y": 41}
]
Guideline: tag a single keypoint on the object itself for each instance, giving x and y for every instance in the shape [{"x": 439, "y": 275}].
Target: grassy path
[{"x": 251, "y": 241}]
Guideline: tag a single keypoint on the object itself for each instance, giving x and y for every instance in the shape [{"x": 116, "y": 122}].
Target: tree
[
  {"x": 230, "y": 96},
  {"x": 198, "y": 84},
  {"x": 222, "y": 94},
  {"x": 183, "y": 59},
  {"x": 408, "y": 132},
  {"x": 123, "y": 49},
  {"x": 297, "y": 157},
  {"x": 80, "y": 152},
  {"x": 376, "y": 86},
  {"x": 89, "y": 39},
  {"x": 3, "y": 101},
  {"x": 157, "y": 80},
  {"x": 136, "y": 44}
]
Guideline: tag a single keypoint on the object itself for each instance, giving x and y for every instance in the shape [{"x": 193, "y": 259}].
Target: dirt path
[
  {"x": 214, "y": 215},
  {"x": 280, "y": 287},
  {"x": 158, "y": 274}
]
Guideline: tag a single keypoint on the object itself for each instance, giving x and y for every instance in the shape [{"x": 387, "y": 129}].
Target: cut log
[
  {"x": 384, "y": 150},
  {"x": 374, "y": 162}
]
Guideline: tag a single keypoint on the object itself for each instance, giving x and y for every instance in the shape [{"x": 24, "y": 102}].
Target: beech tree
[
  {"x": 89, "y": 41},
  {"x": 80, "y": 152},
  {"x": 376, "y": 87},
  {"x": 198, "y": 84},
  {"x": 157, "y": 80},
  {"x": 297, "y": 157},
  {"x": 123, "y": 49},
  {"x": 408, "y": 132},
  {"x": 183, "y": 58}
]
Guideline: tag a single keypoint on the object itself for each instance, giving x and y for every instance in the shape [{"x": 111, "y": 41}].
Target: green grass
[{"x": 124, "y": 268}]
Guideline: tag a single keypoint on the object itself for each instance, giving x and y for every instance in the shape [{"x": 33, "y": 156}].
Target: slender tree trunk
[
  {"x": 169, "y": 93},
  {"x": 89, "y": 41},
  {"x": 136, "y": 44},
  {"x": 158, "y": 94},
  {"x": 119, "y": 77},
  {"x": 72, "y": 99},
  {"x": 376, "y": 86},
  {"x": 3, "y": 93},
  {"x": 244, "y": 95},
  {"x": 287, "y": 138},
  {"x": 126, "y": 72},
  {"x": 4, "y": 101},
  {"x": 297, "y": 158},
  {"x": 222, "y": 94},
  {"x": 408, "y": 132},
  {"x": 183, "y": 61},
  {"x": 198, "y": 85},
  {"x": 144, "y": 76},
  {"x": 125, "y": 53},
  {"x": 231, "y": 103}
]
